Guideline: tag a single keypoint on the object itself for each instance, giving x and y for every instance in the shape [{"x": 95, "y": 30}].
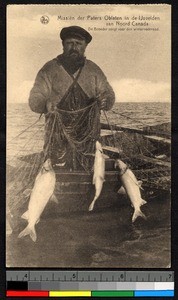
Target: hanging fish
[
  {"x": 41, "y": 193},
  {"x": 99, "y": 170},
  {"x": 132, "y": 188}
]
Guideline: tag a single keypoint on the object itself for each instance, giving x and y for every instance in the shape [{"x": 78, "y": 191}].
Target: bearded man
[{"x": 71, "y": 91}]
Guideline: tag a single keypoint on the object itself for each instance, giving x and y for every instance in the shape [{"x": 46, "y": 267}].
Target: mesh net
[
  {"x": 71, "y": 136},
  {"x": 149, "y": 158},
  {"x": 148, "y": 152}
]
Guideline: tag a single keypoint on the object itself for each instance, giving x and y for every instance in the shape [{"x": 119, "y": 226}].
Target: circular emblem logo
[{"x": 44, "y": 19}]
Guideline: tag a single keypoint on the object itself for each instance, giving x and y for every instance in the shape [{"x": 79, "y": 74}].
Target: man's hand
[
  {"x": 103, "y": 104},
  {"x": 50, "y": 106},
  {"x": 102, "y": 101}
]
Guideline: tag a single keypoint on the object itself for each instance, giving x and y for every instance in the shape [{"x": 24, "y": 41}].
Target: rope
[
  {"x": 85, "y": 123},
  {"x": 127, "y": 167},
  {"x": 52, "y": 131},
  {"x": 126, "y": 136},
  {"x": 27, "y": 142},
  {"x": 23, "y": 131},
  {"x": 136, "y": 120},
  {"x": 150, "y": 153},
  {"x": 133, "y": 119},
  {"x": 75, "y": 111},
  {"x": 114, "y": 140}
]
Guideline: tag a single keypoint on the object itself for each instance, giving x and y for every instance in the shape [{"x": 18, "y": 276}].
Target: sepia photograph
[{"x": 88, "y": 139}]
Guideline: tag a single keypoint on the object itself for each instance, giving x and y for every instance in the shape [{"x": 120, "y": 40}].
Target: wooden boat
[
  {"x": 146, "y": 151},
  {"x": 147, "y": 154}
]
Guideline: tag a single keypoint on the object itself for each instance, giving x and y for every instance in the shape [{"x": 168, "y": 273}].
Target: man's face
[{"x": 74, "y": 48}]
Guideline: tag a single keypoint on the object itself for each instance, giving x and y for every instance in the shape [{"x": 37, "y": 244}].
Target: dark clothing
[
  {"x": 71, "y": 65},
  {"x": 75, "y": 32},
  {"x": 78, "y": 129},
  {"x": 72, "y": 129},
  {"x": 53, "y": 81}
]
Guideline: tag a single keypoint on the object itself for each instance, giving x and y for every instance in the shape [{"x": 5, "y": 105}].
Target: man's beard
[
  {"x": 73, "y": 53},
  {"x": 73, "y": 62}
]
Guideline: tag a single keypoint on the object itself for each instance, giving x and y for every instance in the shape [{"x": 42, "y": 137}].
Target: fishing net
[
  {"x": 24, "y": 158},
  {"x": 68, "y": 134},
  {"x": 70, "y": 137},
  {"x": 145, "y": 150}
]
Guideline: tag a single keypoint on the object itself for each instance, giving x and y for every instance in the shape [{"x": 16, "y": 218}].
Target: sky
[{"x": 137, "y": 62}]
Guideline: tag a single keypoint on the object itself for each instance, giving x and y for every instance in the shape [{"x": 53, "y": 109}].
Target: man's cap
[{"x": 75, "y": 32}]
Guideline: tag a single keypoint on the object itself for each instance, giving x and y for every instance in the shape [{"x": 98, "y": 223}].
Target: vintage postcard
[{"x": 88, "y": 136}]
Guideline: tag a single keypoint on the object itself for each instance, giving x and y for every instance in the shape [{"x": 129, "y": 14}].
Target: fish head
[
  {"x": 47, "y": 166},
  {"x": 99, "y": 147},
  {"x": 119, "y": 164}
]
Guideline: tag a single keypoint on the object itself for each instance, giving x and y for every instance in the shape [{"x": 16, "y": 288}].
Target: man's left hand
[
  {"x": 102, "y": 101},
  {"x": 103, "y": 104}
]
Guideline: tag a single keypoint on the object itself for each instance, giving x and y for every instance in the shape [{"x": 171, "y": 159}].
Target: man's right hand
[{"x": 50, "y": 106}]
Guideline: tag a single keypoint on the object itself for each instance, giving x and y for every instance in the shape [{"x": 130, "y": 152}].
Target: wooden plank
[
  {"x": 154, "y": 161},
  {"x": 120, "y": 128},
  {"x": 159, "y": 139},
  {"x": 111, "y": 152},
  {"x": 84, "y": 187},
  {"x": 72, "y": 187},
  {"x": 162, "y": 145},
  {"x": 164, "y": 129},
  {"x": 145, "y": 130},
  {"x": 109, "y": 164},
  {"x": 83, "y": 176},
  {"x": 107, "y": 132}
]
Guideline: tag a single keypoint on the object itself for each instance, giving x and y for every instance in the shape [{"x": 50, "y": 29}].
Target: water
[
  {"x": 105, "y": 238},
  {"x": 138, "y": 115},
  {"x": 130, "y": 114}
]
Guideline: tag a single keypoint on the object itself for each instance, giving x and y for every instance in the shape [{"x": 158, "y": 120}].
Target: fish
[
  {"x": 132, "y": 188},
  {"x": 41, "y": 193},
  {"x": 99, "y": 172}
]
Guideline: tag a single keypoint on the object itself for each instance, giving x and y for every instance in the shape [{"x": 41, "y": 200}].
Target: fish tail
[
  {"x": 143, "y": 202},
  {"x": 92, "y": 203},
  {"x": 138, "y": 213},
  {"x": 30, "y": 231}
]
